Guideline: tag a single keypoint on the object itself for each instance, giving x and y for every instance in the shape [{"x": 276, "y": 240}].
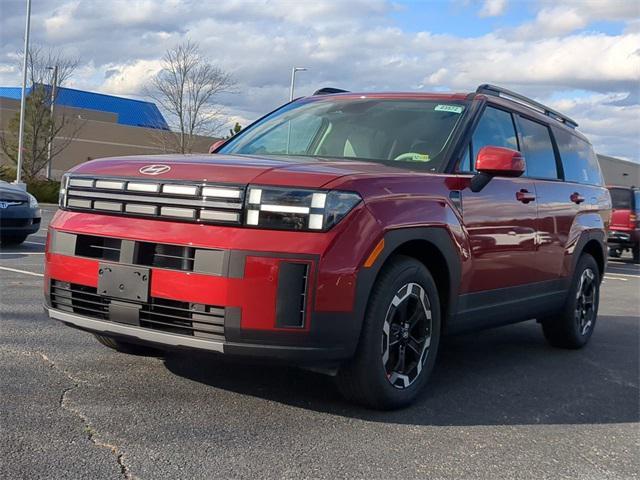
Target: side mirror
[
  {"x": 496, "y": 162},
  {"x": 214, "y": 146}
]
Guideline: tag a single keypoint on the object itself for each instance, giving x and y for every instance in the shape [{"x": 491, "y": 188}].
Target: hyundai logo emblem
[{"x": 155, "y": 169}]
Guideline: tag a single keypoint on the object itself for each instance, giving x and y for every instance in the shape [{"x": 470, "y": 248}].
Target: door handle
[
  {"x": 576, "y": 198},
  {"x": 525, "y": 196}
]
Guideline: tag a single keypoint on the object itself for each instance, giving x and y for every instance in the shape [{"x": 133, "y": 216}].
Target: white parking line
[
  {"x": 15, "y": 270},
  {"x": 621, "y": 275},
  {"x": 21, "y": 253},
  {"x": 614, "y": 278}
]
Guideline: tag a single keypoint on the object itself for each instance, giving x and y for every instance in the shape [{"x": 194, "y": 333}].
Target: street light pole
[
  {"x": 23, "y": 98},
  {"x": 293, "y": 79},
  {"x": 54, "y": 87}
]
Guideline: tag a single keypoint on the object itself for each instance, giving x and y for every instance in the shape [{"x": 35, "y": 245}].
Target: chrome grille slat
[
  {"x": 197, "y": 202},
  {"x": 153, "y": 199}
]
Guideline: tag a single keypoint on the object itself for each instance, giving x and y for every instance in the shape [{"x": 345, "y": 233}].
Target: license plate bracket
[{"x": 124, "y": 282}]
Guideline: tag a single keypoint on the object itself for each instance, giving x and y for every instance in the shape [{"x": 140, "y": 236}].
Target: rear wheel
[
  {"x": 126, "y": 347},
  {"x": 614, "y": 252},
  {"x": 573, "y": 327},
  {"x": 636, "y": 253},
  {"x": 399, "y": 340}
]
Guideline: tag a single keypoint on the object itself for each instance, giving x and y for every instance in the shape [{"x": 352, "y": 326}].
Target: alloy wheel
[
  {"x": 586, "y": 301},
  {"x": 406, "y": 335}
]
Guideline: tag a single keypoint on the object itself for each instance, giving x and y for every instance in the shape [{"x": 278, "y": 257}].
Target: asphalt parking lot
[{"x": 501, "y": 404}]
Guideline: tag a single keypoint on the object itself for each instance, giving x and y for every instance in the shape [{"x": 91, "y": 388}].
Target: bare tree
[
  {"x": 186, "y": 89},
  {"x": 46, "y": 135}
]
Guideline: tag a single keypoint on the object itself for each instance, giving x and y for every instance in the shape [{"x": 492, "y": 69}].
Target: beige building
[
  {"x": 621, "y": 172},
  {"x": 100, "y": 135}
]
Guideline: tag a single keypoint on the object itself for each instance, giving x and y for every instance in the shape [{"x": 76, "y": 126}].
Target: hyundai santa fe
[{"x": 342, "y": 232}]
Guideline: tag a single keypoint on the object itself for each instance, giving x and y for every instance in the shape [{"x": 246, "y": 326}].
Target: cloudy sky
[{"x": 580, "y": 56}]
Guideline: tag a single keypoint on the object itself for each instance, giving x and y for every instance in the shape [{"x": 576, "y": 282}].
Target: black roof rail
[
  {"x": 489, "y": 89},
  {"x": 329, "y": 90}
]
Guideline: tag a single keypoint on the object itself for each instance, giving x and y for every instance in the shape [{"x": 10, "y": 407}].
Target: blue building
[{"x": 135, "y": 113}]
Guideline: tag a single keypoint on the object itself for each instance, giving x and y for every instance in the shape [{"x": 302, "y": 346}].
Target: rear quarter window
[{"x": 579, "y": 161}]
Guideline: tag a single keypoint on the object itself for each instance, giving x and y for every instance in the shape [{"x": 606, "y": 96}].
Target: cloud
[
  {"x": 357, "y": 45},
  {"x": 130, "y": 78},
  {"x": 572, "y": 15},
  {"x": 609, "y": 122},
  {"x": 492, "y": 8}
]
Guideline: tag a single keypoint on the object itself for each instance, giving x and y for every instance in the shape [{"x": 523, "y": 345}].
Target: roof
[
  {"x": 131, "y": 112},
  {"x": 393, "y": 95}
]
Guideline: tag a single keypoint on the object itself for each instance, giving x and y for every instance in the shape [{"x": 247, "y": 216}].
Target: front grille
[
  {"x": 133, "y": 252},
  {"x": 103, "y": 248},
  {"x": 182, "y": 318},
  {"x": 181, "y": 201}
]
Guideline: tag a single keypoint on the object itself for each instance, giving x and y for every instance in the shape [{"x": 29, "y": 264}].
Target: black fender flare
[
  {"x": 585, "y": 237},
  {"x": 439, "y": 237}
]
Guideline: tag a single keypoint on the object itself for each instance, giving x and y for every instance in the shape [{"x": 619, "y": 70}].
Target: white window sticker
[{"x": 448, "y": 108}]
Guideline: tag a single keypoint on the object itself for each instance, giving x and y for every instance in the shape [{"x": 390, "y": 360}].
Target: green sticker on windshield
[{"x": 448, "y": 108}]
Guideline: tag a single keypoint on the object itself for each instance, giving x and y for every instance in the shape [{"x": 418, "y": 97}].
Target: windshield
[{"x": 403, "y": 132}]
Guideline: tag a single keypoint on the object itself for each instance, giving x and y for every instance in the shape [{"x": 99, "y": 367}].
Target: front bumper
[
  {"x": 167, "y": 340},
  {"x": 223, "y": 289},
  {"x": 19, "y": 220}
]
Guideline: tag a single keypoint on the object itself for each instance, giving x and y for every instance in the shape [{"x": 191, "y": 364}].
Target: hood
[
  {"x": 311, "y": 172},
  {"x": 12, "y": 193}
]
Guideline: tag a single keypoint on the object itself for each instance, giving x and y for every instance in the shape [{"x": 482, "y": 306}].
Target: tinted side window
[
  {"x": 465, "y": 163},
  {"x": 579, "y": 161},
  {"x": 621, "y": 198},
  {"x": 495, "y": 129},
  {"x": 538, "y": 150}
]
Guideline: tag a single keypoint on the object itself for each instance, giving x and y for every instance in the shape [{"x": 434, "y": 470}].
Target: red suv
[
  {"x": 624, "y": 231},
  {"x": 342, "y": 232}
]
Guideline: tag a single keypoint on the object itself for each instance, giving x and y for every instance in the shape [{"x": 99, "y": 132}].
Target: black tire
[
  {"x": 636, "y": 253},
  {"x": 614, "y": 252},
  {"x": 13, "y": 239},
  {"x": 574, "y": 325},
  {"x": 367, "y": 379},
  {"x": 126, "y": 347}
]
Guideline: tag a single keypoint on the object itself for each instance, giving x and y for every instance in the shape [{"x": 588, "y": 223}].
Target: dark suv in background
[
  {"x": 624, "y": 231},
  {"x": 19, "y": 214},
  {"x": 344, "y": 232}
]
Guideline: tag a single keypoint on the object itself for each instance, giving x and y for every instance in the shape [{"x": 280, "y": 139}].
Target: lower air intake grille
[{"x": 182, "y": 318}]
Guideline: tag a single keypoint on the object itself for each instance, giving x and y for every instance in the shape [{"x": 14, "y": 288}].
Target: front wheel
[
  {"x": 399, "y": 339},
  {"x": 573, "y": 327}
]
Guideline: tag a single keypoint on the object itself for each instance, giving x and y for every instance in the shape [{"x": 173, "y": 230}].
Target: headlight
[
  {"x": 33, "y": 203},
  {"x": 289, "y": 209},
  {"x": 62, "y": 196}
]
